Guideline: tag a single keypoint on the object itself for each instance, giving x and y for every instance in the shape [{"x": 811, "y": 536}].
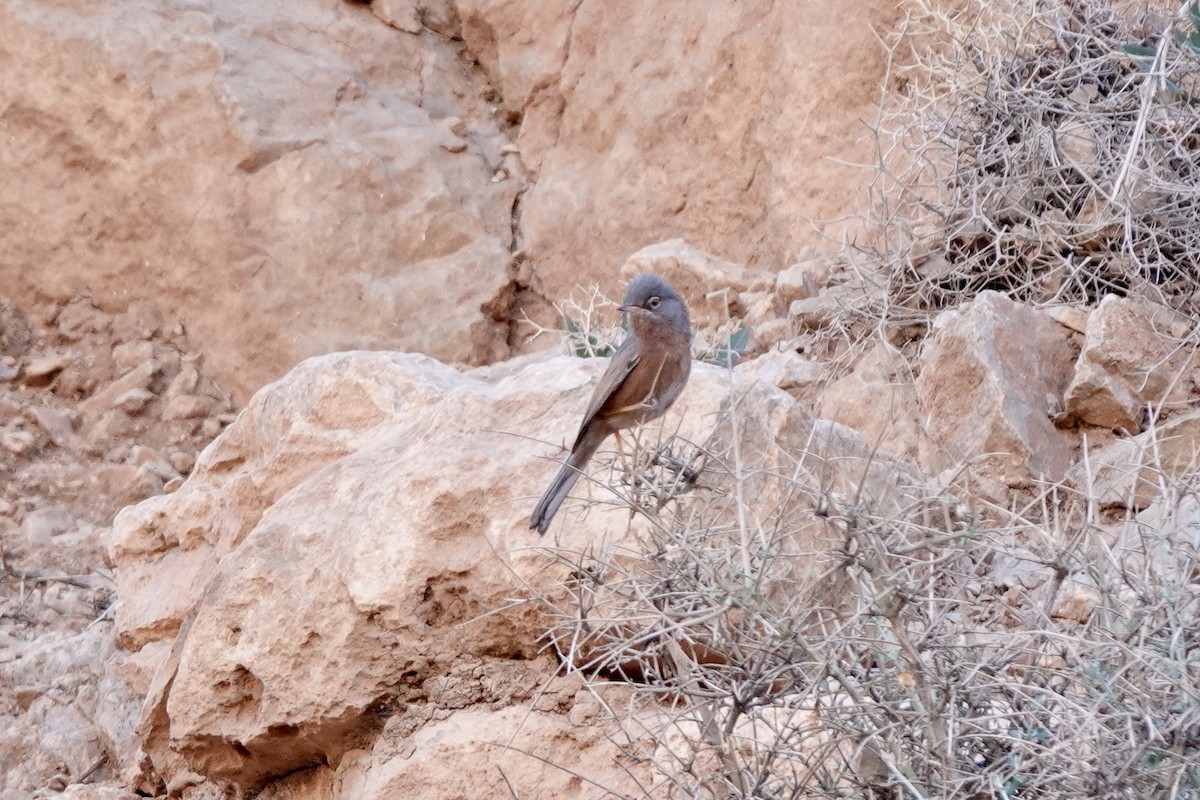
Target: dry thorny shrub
[
  {"x": 1047, "y": 150},
  {"x": 790, "y": 640}
]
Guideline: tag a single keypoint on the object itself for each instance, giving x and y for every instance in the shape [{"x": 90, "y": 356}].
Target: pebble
[
  {"x": 17, "y": 442},
  {"x": 182, "y": 461},
  {"x": 55, "y": 422},
  {"x": 187, "y": 406},
  {"x": 133, "y": 401},
  {"x": 38, "y": 371}
]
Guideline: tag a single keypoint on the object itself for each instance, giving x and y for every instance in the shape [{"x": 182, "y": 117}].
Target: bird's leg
[{"x": 621, "y": 454}]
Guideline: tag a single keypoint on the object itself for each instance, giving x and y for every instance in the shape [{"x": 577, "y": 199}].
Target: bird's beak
[{"x": 629, "y": 309}]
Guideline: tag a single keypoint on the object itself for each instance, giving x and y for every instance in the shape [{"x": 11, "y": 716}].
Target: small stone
[
  {"x": 1071, "y": 317},
  {"x": 186, "y": 381},
  {"x": 110, "y": 426},
  {"x": 399, "y": 14},
  {"x": 454, "y": 145},
  {"x": 7, "y": 373},
  {"x": 812, "y": 312},
  {"x": 41, "y": 370},
  {"x": 133, "y": 401},
  {"x": 56, "y": 423},
  {"x": 795, "y": 283},
  {"x": 102, "y": 402},
  {"x": 187, "y": 406},
  {"x": 17, "y": 442},
  {"x": 152, "y": 460},
  {"x": 783, "y": 368},
  {"x": 80, "y": 317},
  {"x": 181, "y": 461},
  {"x": 128, "y": 355},
  {"x": 171, "y": 486},
  {"x": 209, "y": 429}
]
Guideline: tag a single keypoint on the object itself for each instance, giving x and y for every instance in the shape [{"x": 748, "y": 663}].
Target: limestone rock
[
  {"x": 991, "y": 377},
  {"x": 1133, "y": 356},
  {"x": 878, "y": 399},
  {"x": 787, "y": 370},
  {"x": 271, "y": 173},
  {"x": 400, "y": 14},
  {"x": 363, "y": 526},
  {"x": 1132, "y": 472},
  {"x": 1071, "y": 317},
  {"x": 89, "y": 412},
  {"x": 686, "y": 144},
  {"x": 711, "y": 286},
  {"x": 41, "y": 370},
  {"x": 55, "y": 422},
  {"x": 56, "y": 738},
  {"x": 797, "y": 282}
]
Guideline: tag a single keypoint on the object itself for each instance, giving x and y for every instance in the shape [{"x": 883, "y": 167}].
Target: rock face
[
  {"x": 281, "y": 176},
  {"x": 341, "y": 566},
  {"x": 992, "y": 377},
  {"x": 731, "y": 147},
  {"x": 302, "y": 178}
]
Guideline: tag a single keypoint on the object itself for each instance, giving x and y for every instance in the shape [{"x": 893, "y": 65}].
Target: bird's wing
[{"x": 622, "y": 363}]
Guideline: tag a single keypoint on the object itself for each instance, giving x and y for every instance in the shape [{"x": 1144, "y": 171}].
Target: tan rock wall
[{"x": 280, "y": 177}]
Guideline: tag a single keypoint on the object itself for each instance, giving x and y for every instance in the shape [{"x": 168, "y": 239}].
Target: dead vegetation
[
  {"x": 933, "y": 649},
  {"x": 947, "y": 647},
  {"x": 1050, "y": 151}
]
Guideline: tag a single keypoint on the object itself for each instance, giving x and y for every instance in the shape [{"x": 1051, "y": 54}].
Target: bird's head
[{"x": 649, "y": 297}]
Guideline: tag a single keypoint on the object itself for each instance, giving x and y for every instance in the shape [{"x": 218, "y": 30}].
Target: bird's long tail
[{"x": 571, "y": 469}]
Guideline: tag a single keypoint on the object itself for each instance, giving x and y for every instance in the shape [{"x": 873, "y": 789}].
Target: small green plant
[
  {"x": 1179, "y": 79},
  {"x": 728, "y": 352},
  {"x": 585, "y": 343}
]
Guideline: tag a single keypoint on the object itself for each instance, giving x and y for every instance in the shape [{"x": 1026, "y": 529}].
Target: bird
[{"x": 645, "y": 376}]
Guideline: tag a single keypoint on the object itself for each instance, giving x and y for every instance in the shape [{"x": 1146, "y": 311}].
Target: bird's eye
[{"x": 653, "y": 303}]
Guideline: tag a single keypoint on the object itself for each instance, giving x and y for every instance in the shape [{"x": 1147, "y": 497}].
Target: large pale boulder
[
  {"x": 286, "y": 178},
  {"x": 992, "y": 378},
  {"x": 361, "y": 532}
]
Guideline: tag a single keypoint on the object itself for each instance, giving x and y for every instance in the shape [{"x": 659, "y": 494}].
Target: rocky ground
[
  {"x": 97, "y": 411},
  {"x": 270, "y": 428}
]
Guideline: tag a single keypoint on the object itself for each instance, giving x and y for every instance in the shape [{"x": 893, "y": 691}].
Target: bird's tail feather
[{"x": 572, "y": 468}]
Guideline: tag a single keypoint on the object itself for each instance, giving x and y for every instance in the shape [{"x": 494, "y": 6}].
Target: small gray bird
[{"x": 646, "y": 374}]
